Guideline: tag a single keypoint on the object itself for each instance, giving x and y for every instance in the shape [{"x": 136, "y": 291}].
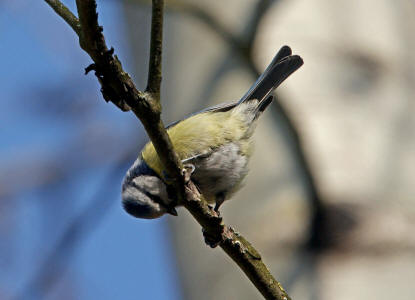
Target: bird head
[{"x": 144, "y": 194}]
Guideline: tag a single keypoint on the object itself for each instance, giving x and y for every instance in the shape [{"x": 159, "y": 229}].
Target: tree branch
[
  {"x": 118, "y": 88},
  {"x": 154, "y": 69},
  {"x": 65, "y": 14},
  {"x": 235, "y": 245}
]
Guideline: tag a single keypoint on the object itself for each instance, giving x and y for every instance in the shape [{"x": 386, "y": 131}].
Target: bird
[{"x": 214, "y": 144}]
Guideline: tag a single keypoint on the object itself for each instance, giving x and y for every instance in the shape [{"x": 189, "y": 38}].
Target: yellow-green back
[{"x": 200, "y": 134}]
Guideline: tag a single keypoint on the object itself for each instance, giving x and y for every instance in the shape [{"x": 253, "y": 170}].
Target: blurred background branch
[{"x": 82, "y": 225}]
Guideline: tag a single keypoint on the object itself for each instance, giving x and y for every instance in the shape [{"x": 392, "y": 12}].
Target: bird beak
[{"x": 172, "y": 211}]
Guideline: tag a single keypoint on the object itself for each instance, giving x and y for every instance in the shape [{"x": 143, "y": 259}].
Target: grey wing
[{"x": 216, "y": 108}]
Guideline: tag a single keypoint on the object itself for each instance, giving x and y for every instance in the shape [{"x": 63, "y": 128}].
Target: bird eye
[
  {"x": 155, "y": 198},
  {"x": 167, "y": 178},
  {"x": 170, "y": 192}
]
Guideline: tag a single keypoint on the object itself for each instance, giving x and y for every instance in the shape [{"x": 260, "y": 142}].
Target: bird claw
[
  {"x": 220, "y": 198},
  {"x": 187, "y": 171},
  {"x": 172, "y": 211},
  {"x": 211, "y": 240},
  {"x": 90, "y": 68}
]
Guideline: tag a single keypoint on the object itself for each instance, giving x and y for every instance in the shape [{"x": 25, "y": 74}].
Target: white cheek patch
[
  {"x": 133, "y": 193},
  {"x": 153, "y": 186}
]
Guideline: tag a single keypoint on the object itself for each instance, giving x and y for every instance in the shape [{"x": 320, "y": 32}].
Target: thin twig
[
  {"x": 118, "y": 87},
  {"x": 154, "y": 69},
  {"x": 65, "y": 14}
]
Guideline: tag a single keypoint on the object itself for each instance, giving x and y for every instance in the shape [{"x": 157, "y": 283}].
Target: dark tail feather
[
  {"x": 284, "y": 52},
  {"x": 264, "y": 104},
  {"x": 281, "y": 67}
]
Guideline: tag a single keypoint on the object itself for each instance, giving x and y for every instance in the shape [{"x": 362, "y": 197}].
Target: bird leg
[
  {"x": 187, "y": 171},
  {"x": 220, "y": 198},
  {"x": 210, "y": 239}
]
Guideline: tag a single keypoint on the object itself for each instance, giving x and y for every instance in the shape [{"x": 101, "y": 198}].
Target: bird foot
[
  {"x": 187, "y": 171},
  {"x": 210, "y": 239}
]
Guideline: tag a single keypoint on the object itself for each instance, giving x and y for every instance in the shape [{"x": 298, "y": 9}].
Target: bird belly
[{"x": 220, "y": 173}]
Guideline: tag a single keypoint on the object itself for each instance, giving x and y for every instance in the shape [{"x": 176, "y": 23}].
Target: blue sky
[{"x": 119, "y": 257}]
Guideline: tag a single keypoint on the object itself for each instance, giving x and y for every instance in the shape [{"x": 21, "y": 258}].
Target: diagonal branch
[
  {"x": 118, "y": 88},
  {"x": 235, "y": 245}
]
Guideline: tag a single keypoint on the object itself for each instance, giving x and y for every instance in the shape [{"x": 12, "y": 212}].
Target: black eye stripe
[
  {"x": 170, "y": 192},
  {"x": 148, "y": 194},
  {"x": 156, "y": 199}
]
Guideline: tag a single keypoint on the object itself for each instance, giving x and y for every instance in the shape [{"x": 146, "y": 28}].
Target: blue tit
[{"x": 215, "y": 144}]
